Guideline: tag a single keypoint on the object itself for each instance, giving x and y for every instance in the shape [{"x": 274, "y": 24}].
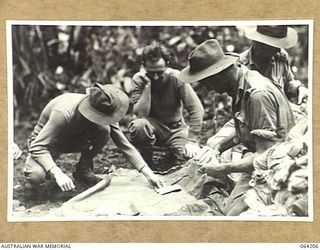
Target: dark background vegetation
[{"x": 51, "y": 60}]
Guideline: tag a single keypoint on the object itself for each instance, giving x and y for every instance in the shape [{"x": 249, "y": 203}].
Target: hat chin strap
[{"x": 235, "y": 79}]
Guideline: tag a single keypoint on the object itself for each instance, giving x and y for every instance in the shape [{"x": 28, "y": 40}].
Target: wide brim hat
[
  {"x": 104, "y": 105},
  {"x": 279, "y": 36},
  {"x": 205, "y": 60}
]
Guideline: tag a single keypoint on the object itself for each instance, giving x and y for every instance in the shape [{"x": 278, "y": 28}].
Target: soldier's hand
[
  {"x": 207, "y": 156},
  {"x": 63, "y": 181},
  {"x": 153, "y": 179},
  {"x": 146, "y": 80},
  {"x": 302, "y": 95},
  {"x": 280, "y": 57},
  {"x": 191, "y": 149}
]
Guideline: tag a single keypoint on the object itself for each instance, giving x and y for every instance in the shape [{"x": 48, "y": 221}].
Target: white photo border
[{"x": 10, "y": 130}]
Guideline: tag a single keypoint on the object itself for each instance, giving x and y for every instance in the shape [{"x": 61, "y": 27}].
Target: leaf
[{"x": 174, "y": 40}]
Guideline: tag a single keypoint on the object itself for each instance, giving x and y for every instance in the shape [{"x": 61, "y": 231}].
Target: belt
[{"x": 174, "y": 125}]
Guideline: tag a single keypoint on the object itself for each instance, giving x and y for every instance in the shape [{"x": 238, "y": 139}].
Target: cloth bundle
[
  {"x": 129, "y": 194},
  {"x": 280, "y": 180}
]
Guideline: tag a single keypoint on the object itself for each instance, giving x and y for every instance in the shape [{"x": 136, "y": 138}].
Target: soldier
[
  {"x": 262, "y": 115},
  {"x": 81, "y": 123},
  {"x": 268, "y": 56},
  {"x": 158, "y": 98}
]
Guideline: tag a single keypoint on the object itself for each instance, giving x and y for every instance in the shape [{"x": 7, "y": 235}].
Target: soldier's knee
[
  {"x": 33, "y": 172},
  {"x": 137, "y": 125},
  {"x": 141, "y": 132}
]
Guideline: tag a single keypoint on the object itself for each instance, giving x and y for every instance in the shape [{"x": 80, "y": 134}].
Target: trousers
[
  {"x": 147, "y": 132},
  {"x": 232, "y": 204}
]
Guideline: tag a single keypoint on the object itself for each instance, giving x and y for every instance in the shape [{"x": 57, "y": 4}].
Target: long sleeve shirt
[
  {"x": 60, "y": 126},
  {"x": 168, "y": 98}
]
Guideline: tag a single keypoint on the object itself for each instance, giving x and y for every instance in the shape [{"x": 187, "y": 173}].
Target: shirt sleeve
[
  {"x": 137, "y": 87},
  {"x": 290, "y": 84},
  {"x": 261, "y": 115},
  {"x": 130, "y": 152},
  {"x": 39, "y": 146},
  {"x": 195, "y": 109}
]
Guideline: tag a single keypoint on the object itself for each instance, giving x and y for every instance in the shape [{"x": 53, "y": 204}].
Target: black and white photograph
[{"x": 142, "y": 120}]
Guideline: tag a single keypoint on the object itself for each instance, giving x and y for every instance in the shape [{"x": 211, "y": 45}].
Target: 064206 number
[{"x": 309, "y": 245}]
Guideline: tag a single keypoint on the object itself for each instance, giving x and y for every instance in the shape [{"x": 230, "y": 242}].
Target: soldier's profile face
[
  {"x": 264, "y": 50},
  {"x": 220, "y": 81}
]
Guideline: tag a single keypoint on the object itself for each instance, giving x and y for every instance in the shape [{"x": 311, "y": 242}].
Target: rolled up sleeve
[{"x": 262, "y": 115}]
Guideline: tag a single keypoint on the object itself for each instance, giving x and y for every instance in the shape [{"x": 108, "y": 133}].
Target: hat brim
[
  {"x": 188, "y": 76},
  {"x": 103, "y": 119},
  {"x": 287, "y": 42}
]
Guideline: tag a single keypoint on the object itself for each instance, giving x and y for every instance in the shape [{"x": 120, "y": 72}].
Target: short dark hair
[{"x": 154, "y": 52}]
